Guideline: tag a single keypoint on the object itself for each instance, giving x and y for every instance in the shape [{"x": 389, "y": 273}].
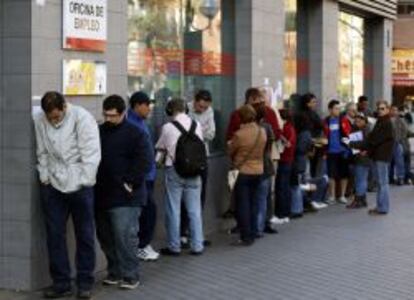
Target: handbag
[{"x": 233, "y": 173}]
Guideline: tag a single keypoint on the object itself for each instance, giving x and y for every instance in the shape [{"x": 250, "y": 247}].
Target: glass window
[
  {"x": 351, "y": 57},
  {"x": 290, "y": 57},
  {"x": 174, "y": 50}
]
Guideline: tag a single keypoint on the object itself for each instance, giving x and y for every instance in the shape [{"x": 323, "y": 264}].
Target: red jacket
[
  {"x": 345, "y": 129},
  {"x": 289, "y": 132},
  {"x": 270, "y": 117}
]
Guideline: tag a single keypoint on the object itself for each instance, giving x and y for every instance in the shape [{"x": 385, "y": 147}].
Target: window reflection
[
  {"x": 290, "y": 57},
  {"x": 351, "y": 57}
]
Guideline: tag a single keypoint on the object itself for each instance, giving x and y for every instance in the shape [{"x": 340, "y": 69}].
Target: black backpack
[{"x": 190, "y": 154}]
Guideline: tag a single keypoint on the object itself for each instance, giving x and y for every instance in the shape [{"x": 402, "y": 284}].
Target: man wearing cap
[{"x": 140, "y": 108}]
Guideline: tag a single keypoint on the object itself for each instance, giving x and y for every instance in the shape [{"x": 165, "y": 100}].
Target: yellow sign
[
  {"x": 82, "y": 77},
  {"x": 403, "y": 67}
]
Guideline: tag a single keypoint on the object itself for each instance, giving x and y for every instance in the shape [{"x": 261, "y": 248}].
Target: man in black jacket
[
  {"x": 379, "y": 144},
  {"x": 120, "y": 192}
]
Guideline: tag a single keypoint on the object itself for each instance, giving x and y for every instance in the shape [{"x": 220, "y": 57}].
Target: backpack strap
[
  {"x": 193, "y": 127},
  {"x": 179, "y": 127},
  {"x": 182, "y": 129}
]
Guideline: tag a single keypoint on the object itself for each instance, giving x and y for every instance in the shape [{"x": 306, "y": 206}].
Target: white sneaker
[
  {"x": 148, "y": 254},
  {"x": 343, "y": 200},
  {"x": 129, "y": 284},
  {"x": 276, "y": 221},
  {"x": 286, "y": 220},
  {"x": 308, "y": 187},
  {"x": 317, "y": 205},
  {"x": 331, "y": 200}
]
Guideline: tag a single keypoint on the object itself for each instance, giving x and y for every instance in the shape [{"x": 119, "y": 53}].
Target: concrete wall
[
  {"x": 260, "y": 26},
  {"x": 31, "y": 64},
  {"x": 318, "y": 49}
]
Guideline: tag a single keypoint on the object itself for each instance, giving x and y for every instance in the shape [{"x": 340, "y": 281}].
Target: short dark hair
[
  {"x": 175, "y": 106},
  {"x": 139, "y": 98},
  {"x": 252, "y": 93},
  {"x": 52, "y": 100},
  {"x": 362, "y": 99},
  {"x": 286, "y": 115},
  {"x": 114, "y": 102},
  {"x": 203, "y": 95},
  {"x": 333, "y": 103}
]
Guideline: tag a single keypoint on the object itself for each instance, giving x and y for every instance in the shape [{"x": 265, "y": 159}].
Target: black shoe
[
  {"x": 376, "y": 212},
  {"x": 269, "y": 230},
  {"x": 296, "y": 216},
  {"x": 84, "y": 294},
  {"x": 207, "y": 243},
  {"x": 229, "y": 214},
  {"x": 169, "y": 252},
  {"x": 245, "y": 243},
  {"x": 308, "y": 208},
  {"x": 185, "y": 242},
  {"x": 234, "y": 230},
  {"x": 400, "y": 182},
  {"x": 53, "y": 293},
  {"x": 196, "y": 253}
]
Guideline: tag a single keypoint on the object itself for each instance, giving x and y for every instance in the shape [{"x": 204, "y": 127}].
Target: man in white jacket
[{"x": 68, "y": 155}]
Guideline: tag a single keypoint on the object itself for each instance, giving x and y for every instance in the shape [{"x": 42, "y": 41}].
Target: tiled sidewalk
[{"x": 334, "y": 254}]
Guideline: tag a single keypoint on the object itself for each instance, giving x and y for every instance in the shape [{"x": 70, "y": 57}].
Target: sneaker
[
  {"x": 53, "y": 293},
  {"x": 331, "y": 201},
  {"x": 196, "y": 253},
  {"x": 286, "y": 220},
  {"x": 185, "y": 242},
  {"x": 276, "y": 221},
  {"x": 318, "y": 206},
  {"x": 129, "y": 284},
  {"x": 86, "y": 294},
  {"x": 308, "y": 187},
  {"x": 110, "y": 280},
  {"x": 342, "y": 200},
  {"x": 148, "y": 254}
]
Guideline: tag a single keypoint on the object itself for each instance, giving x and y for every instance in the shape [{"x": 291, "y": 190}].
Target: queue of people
[{"x": 284, "y": 164}]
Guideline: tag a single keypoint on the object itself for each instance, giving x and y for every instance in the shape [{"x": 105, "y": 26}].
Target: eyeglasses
[{"x": 106, "y": 115}]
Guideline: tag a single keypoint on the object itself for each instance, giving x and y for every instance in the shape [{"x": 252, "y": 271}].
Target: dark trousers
[
  {"x": 117, "y": 231},
  {"x": 184, "y": 213},
  {"x": 246, "y": 188},
  {"x": 282, "y": 190},
  {"x": 57, "y": 208},
  {"x": 148, "y": 218},
  {"x": 407, "y": 165}
]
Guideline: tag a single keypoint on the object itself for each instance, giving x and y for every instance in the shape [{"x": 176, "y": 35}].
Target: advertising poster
[
  {"x": 85, "y": 25},
  {"x": 403, "y": 67},
  {"x": 82, "y": 77}
]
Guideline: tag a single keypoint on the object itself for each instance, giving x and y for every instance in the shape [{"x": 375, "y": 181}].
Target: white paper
[{"x": 356, "y": 136}]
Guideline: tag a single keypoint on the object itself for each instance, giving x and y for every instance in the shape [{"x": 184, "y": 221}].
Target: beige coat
[{"x": 247, "y": 148}]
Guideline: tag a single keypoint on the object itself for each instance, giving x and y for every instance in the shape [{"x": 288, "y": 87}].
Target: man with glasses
[
  {"x": 380, "y": 144},
  {"x": 68, "y": 155},
  {"x": 121, "y": 192}
]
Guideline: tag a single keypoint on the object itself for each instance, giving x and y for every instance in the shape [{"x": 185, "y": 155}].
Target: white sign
[{"x": 85, "y": 25}]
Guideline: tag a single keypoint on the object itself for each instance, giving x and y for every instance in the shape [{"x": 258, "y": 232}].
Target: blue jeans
[
  {"x": 117, "y": 231},
  {"x": 148, "y": 218},
  {"x": 282, "y": 190},
  {"x": 57, "y": 208},
  {"x": 397, "y": 163},
  {"x": 261, "y": 200},
  {"x": 179, "y": 189},
  {"x": 361, "y": 179},
  {"x": 321, "y": 188},
  {"x": 383, "y": 197},
  {"x": 246, "y": 190}
]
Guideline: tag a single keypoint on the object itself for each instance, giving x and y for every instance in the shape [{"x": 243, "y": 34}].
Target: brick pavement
[{"x": 334, "y": 255}]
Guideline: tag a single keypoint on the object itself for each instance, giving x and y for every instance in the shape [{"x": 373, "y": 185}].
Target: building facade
[
  {"x": 403, "y": 54},
  {"x": 169, "y": 48}
]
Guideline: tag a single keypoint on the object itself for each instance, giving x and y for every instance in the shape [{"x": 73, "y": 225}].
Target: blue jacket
[
  {"x": 126, "y": 159},
  {"x": 139, "y": 122}
]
